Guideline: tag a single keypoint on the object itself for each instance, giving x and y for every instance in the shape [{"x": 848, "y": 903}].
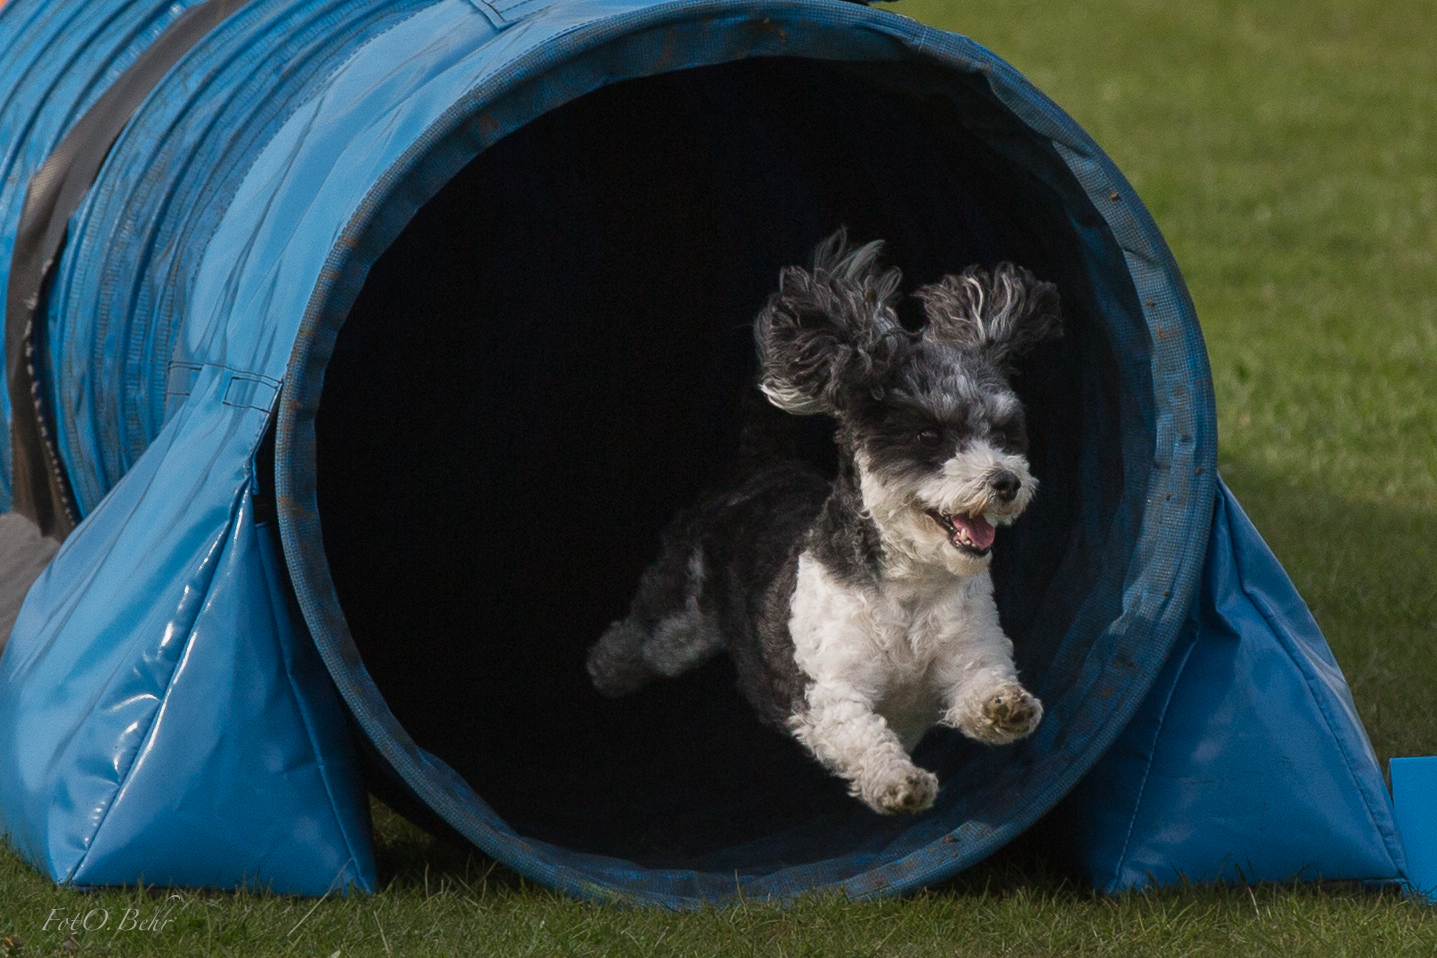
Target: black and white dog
[{"x": 859, "y": 612}]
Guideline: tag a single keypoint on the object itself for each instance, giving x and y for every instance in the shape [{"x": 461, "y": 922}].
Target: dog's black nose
[{"x": 1006, "y": 485}]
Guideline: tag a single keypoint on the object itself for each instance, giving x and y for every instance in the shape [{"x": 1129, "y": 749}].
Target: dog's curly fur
[{"x": 859, "y": 612}]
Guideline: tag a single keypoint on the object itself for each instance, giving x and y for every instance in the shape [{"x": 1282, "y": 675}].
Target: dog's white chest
[{"x": 887, "y": 647}]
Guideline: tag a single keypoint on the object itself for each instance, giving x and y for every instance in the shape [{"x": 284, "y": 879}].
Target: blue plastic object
[
  {"x": 1414, "y": 793},
  {"x": 470, "y": 282},
  {"x": 1247, "y": 762},
  {"x": 215, "y": 756}
]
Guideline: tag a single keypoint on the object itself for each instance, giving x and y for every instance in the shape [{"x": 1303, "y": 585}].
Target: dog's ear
[
  {"x": 1002, "y": 314},
  {"x": 830, "y": 335}
]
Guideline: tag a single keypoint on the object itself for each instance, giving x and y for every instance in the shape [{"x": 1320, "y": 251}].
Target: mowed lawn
[{"x": 1289, "y": 154}]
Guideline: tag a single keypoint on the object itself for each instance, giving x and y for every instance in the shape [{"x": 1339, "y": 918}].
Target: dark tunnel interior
[{"x": 554, "y": 356}]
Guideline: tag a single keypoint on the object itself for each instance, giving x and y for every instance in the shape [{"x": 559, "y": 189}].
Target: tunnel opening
[{"x": 554, "y": 356}]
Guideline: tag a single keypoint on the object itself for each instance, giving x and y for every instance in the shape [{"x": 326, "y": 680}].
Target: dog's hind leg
[
  {"x": 616, "y": 663},
  {"x": 688, "y": 637},
  {"x": 666, "y": 633}
]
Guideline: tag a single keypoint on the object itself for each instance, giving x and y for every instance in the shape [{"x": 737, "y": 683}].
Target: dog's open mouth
[{"x": 972, "y": 534}]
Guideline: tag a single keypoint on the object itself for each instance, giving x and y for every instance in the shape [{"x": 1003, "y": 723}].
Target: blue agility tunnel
[{"x": 357, "y": 352}]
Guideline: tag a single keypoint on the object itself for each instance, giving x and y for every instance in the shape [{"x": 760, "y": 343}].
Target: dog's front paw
[
  {"x": 904, "y": 793},
  {"x": 1007, "y": 714},
  {"x": 1012, "y": 713}
]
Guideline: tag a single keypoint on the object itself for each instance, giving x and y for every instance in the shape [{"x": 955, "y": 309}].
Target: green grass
[
  {"x": 1289, "y": 154},
  {"x": 440, "y": 900}
]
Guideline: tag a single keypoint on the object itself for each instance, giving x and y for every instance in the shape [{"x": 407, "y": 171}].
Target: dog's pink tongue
[{"x": 980, "y": 530}]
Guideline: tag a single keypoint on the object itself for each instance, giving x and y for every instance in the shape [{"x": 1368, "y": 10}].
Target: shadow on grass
[{"x": 412, "y": 859}]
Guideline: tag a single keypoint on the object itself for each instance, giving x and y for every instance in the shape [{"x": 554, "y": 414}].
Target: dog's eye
[{"x": 930, "y": 437}]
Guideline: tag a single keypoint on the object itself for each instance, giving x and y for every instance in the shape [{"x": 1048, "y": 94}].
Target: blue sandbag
[
  {"x": 1414, "y": 795},
  {"x": 1247, "y": 762},
  {"x": 452, "y": 298},
  {"x": 218, "y": 756}
]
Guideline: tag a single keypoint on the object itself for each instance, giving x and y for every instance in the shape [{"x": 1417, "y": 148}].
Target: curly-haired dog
[{"x": 859, "y": 612}]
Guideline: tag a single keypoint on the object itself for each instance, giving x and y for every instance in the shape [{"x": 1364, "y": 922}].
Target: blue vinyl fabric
[
  {"x": 1414, "y": 785},
  {"x": 162, "y": 672},
  {"x": 216, "y": 756},
  {"x": 43, "y": 96},
  {"x": 1248, "y": 761}
]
